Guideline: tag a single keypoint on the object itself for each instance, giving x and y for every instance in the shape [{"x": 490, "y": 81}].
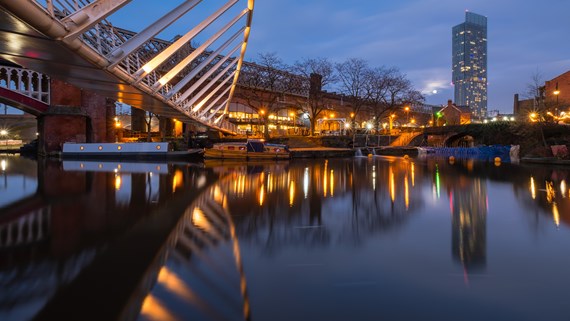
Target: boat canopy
[{"x": 255, "y": 146}]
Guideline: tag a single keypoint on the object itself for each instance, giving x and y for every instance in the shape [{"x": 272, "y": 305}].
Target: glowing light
[
  {"x": 555, "y": 215},
  {"x": 413, "y": 175},
  {"x": 177, "y": 180},
  {"x": 261, "y": 195},
  {"x": 218, "y": 195},
  {"x": 374, "y": 177},
  {"x": 406, "y": 192},
  {"x": 325, "y": 184},
  {"x": 291, "y": 193},
  {"x": 3, "y": 164},
  {"x": 153, "y": 309},
  {"x": 118, "y": 182},
  {"x": 199, "y": 220},
  {"x": 332, "y": 182},
  {"x": 437, "y": 183},
  {"x": 434, "y": 91},
  {"x": 563, "y": 188},
  {"x": 306, "y": 182},
  {"x": 176, "y": 285},
  {"x": 392, "y": 185},
  {"x": 270, "y": 183},
  {"x": 550, "y": 192}
]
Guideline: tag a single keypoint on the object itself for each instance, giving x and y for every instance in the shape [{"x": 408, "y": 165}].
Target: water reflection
[
  {"x": 224, "y": 240},
  {"x": 57, "y": 219}
]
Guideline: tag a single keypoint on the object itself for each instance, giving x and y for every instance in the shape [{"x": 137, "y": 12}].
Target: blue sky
[{"x": 414, "y": 35}]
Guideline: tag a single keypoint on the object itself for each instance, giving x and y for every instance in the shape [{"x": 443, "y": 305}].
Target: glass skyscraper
[{"x": 469, "y": 52}]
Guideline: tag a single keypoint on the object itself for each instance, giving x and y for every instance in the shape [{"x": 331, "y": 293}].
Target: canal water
[{"x": 369, "y": 238}]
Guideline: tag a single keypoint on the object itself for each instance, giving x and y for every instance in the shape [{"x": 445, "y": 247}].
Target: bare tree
[
  {"x": 267, "y": 81},
  {"x": 377, "y": 90},
  {"x": 352, "y": 75},
  {"x": 389, "y": 90},
  {"x": 321, "y": 73},
  {"x": 533, "y": 89}
]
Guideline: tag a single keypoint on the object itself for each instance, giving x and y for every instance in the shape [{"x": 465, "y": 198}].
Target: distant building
[
  {"x": 557, "y": 90},
  {"x": 453, "y": 115},
  {"x": 469, "y": 58},
  {"x": 553, "y": 97}
]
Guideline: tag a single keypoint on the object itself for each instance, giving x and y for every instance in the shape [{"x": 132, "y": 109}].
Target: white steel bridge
[{"x": 74, "y": 41}]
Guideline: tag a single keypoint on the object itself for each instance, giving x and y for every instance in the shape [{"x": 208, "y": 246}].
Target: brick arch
[{"x": 463, "y": 139}]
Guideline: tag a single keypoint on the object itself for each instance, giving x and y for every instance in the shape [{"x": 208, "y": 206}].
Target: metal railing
[{"x": 27, "y": 82}]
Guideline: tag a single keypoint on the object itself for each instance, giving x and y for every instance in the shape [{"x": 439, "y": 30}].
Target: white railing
[
  {"x": 26, "y": 82},
  {"x": 30, "y": 228}
]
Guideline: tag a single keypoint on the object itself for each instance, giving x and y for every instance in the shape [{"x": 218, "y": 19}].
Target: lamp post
[
  {"x": 556, "y": 93},
  {"x": 407, "y": 110},
  {"x": 262, "y": 113}
]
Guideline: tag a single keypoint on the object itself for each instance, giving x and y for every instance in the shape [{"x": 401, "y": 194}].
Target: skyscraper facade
[{"x": 469, "y": 52}]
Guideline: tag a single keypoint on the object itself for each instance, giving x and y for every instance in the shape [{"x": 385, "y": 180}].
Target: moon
[{"x": 434, "y": 91}]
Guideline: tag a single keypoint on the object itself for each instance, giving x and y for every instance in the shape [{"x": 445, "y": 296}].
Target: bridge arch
[{"x": 460, "y": 140}]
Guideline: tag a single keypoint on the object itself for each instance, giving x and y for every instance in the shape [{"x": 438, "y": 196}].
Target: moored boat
[{"x": 252, "y": 149}]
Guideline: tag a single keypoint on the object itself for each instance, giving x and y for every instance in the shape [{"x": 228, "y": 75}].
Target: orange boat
[{"x": 252, "y": 149}]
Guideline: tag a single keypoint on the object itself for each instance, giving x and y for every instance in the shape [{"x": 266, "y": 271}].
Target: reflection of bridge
[
  {"x": 66, "y": 261},
  {"x": 73, "y": 41}
]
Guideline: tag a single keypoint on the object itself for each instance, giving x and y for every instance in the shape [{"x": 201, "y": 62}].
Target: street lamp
[
  {"x": 532, "y": 117},
  {"x": 3, "y": 134},
  {"x": 556, "y": 93},
  {"x": 407, "y": 109}
]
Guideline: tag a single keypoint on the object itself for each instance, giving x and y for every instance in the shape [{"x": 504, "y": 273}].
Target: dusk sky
[{"x": 414, "y": 35}]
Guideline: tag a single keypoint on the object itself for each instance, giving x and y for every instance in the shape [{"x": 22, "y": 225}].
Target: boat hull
[{"x": 213, "y": 153}]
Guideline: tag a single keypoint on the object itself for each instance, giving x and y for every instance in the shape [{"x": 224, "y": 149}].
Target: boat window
[{"x": 255, "y": 146}]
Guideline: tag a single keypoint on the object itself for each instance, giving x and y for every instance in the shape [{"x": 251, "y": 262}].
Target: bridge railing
[{"x": 26, "y": 82}]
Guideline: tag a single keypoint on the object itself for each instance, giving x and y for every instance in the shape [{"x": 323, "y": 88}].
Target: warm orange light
[
  {"x": 413, "y": 121},
  {"x": 199, "y": 220},
  {"x": 291, "y": 193},
  {"x": 407, "y": 108},
  {"x": 393, "y": 115},
  {"x": 262, "y": 112},
  {"x": 351, "y": 115},
  {"x": 177, "y": 180},
  {"x": 118, "y": 182},
  {"x": 332, "y": 115},
  {"x": 557, "y": 92}
]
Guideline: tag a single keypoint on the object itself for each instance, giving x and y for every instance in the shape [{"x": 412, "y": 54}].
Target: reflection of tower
[
  {"x": 469, "y": 223},
  {"x": 315, "y": 200}
]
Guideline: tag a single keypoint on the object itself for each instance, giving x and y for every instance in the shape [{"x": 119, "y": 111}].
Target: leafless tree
[
  {"x": 267, "y": 81},
  {"x": 321, "y": 74},
  {"x": 389, "y": 90},
  {"x": 352, "y": 75}
]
